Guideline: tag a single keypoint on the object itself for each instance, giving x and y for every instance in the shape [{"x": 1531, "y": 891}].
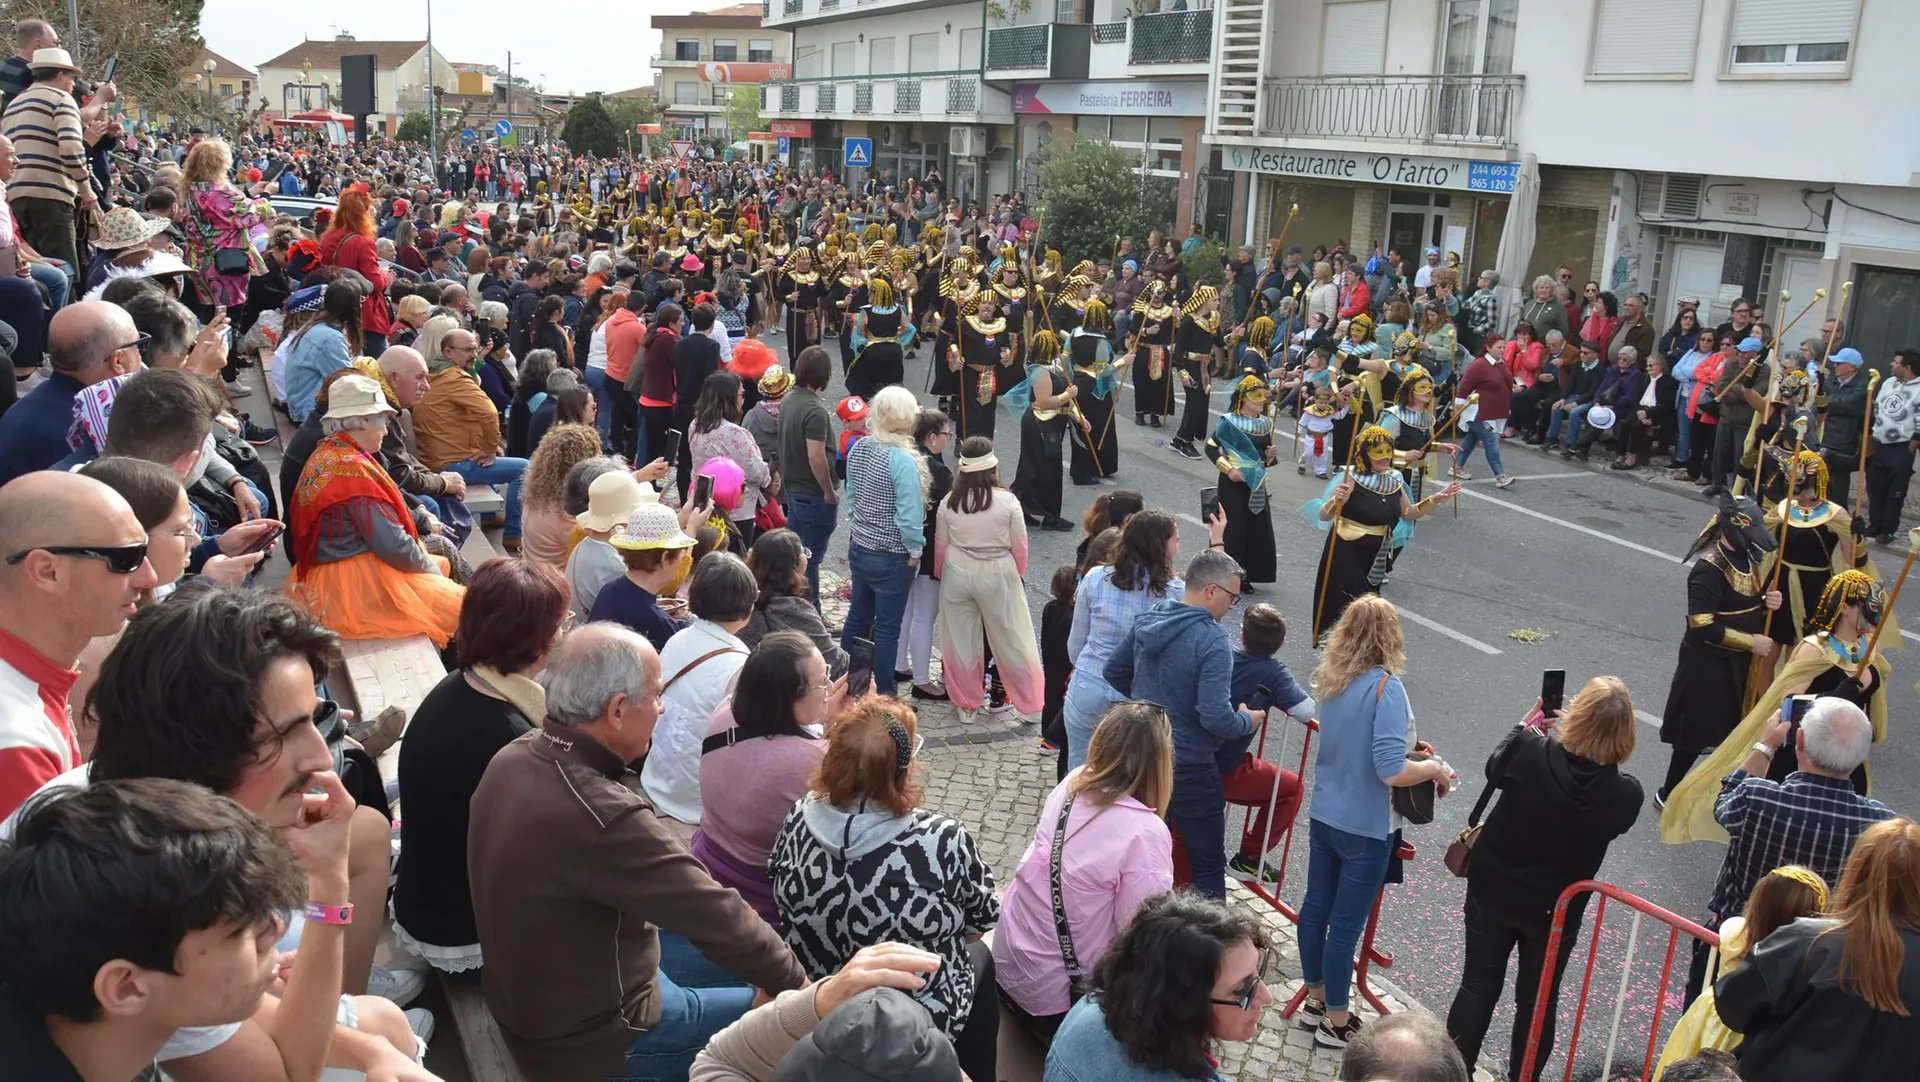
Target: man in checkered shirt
[{"x": 1812, "y": 818}]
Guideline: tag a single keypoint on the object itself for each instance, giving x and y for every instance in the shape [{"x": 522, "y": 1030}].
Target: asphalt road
[{"x": 1587, "y": 557}]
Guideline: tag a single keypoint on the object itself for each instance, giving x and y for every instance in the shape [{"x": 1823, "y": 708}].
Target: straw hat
[
  {"x": 124, "y": 228},
  {"x": 52, "y": 58},
  {"x": 355, "y": 396},
  {"x": 650, "y": 526},
  {"x": 610, "y": 499}
]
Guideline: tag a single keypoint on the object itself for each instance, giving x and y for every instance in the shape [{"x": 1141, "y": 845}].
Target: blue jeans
[
  {"x": 689, "y": 1017},
  {"x": 1344, "y": 875},
  {"x": 879, "y": 583},
  {"x": 1570, "y": 416},
  {"x": 1487, "y": 435},
  {"x": 1088, "y": 696},
  {"x": 682, "y": 961},
  {"x": 1682, "y": 431},
  {"x": 813, "y": 519},
  {"x": 503, "y": 471},
  {"x": 597, "y": 383},
  {"x": 59, "y": 286}
]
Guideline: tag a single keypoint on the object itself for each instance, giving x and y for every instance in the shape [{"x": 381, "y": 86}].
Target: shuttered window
[
  {"x": 1800, "y": 34},
  {"x": 1645, "y": 37},
  {"x": 1353, "y": 39}
]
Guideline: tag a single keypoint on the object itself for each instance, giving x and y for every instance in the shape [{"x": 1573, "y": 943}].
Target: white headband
[{"x": 984, "y": 462}]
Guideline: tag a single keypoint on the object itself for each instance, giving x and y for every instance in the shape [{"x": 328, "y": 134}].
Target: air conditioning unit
[
  {"x": 890, "y": 134},
  {"x": 967, "y": 142},
  {"x": 1670, "y": 195}
]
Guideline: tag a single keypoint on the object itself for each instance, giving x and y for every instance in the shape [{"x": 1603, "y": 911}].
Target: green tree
[
  {"x": 1088, "y": 194},
  {"x": 157, "y": 42},
  {"x": 589, "y": 130},
  {"x": 625, "y": 112},
  {"x": 743, "y": 111},
  {"x": 413, "y": 126}
]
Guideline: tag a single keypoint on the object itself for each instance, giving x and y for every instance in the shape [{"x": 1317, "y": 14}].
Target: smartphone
[
  {"x": 703, "y": 490},
  {"x": 1209, "y": 503},
  {"x": 1262, "y": 697},
  {"x": 859, "y": 668},
  {"x": 113, "y": 65},
  {"x": 1553, "y": 692},
  {"x": 263, "y": 542},
  {"x": 671, "y": 452},
  {"x": 1796, "y": 712}
]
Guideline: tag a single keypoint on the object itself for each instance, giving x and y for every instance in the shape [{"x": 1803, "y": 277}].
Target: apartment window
[
  {"x": 842, "y": 59},
  {"x": 686, "y": 49},
  {"x": 1066, "y": 11},
  {"x": 880, "y": 56},
  {"x": 726, "y": 49},
  {"x": 1799, "y": 37},
  {"x": 807, "y": 60},
  {"x": 1353, "y": 37},
  {"x": 1644, "y": 38},
  {"x": 760, "y": 50},
  {"x": 923, "y": 52},
  {"x": 686, "y": 93},
  {"x": 246, "y": 87},
  {"x": 226, "y": 90}
]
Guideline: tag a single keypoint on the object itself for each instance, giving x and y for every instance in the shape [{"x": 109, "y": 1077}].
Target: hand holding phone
[
  {"x": 1209, "y": 503},
  {"x": 1553, "y": 692},
  {"x": 703, "y": 490},
  {"x": 859, "y": 668}
]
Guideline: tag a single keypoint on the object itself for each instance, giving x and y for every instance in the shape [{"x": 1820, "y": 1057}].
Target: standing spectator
[
  {"x": 1367, "y": 747},
  {"x": 806, "y": 461},
  {"x": 624, "y": 332},
  {"x": 1634, "y": 329},
  {"x": 1846, "y": 394},
  {"x": 697, "y": 670},
  {"x": 979, "y": 555},
  {"x": 88, "y": 342},
  {"x": 1741, "y": 371},
  {"x": 1831, "y": 1000},
  {"x": 652, "y": 379},
  {"x": 1896, "y": 436},
  {"x": 931, "y": 435},
  {"x": 887, "y": 485},
  {"x": 1563, "y": 801},
  {"x": 459, "y": 430},
  {"x": 348, "y": 244},
  {"x": 53, "y": 184},
  {"x": 1101, "y": 840},
  {"x": 220, "y": 222},
  {"x": 1687, "y": 375},
  {"x": 1544, "y": 311},
  {"x": 1489, "y": 377},
  {"x": 859, "y": 862},
  {"x": 1479, "y": 313},
  {"x": 714, "y": 432},
  {"x": 1177, "y": 655}
]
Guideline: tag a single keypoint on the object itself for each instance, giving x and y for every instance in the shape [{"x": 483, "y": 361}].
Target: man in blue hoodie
[{"x": 1178, "y": 656}]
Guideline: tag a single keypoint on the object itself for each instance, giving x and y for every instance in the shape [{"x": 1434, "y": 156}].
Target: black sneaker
[
  {"x": 1310, "y": 1014},
  {"x": 1247, "y": 870},
  {"x": 1187, "y": 450},
  {"x": 1332, "y": 1036},
  {"x": 1153, "y": 419},
  {"x": 254, "y": 434}
]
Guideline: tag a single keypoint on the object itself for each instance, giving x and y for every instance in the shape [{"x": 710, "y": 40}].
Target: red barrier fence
[{"x": 1543, "y": 1001}]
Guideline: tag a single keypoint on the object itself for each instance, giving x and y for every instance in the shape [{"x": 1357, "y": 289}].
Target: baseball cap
[
  {"x": 1751, "y": 344},
  {"x": 851, "y": 408}
]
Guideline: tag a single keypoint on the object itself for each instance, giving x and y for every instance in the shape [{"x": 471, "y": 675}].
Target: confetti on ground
[{"x": 1528, "y": 635}]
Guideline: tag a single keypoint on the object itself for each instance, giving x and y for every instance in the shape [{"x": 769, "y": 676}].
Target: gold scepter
[
  {"x": 1913, "y": 548},
  {"x": 1452, "y": 418},
  {"x": 1753, "y": 688},
  {"x": 1773, "y": 382}
]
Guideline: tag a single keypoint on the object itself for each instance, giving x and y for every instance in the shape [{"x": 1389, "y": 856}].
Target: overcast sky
[{"x": 566, "y": 47}]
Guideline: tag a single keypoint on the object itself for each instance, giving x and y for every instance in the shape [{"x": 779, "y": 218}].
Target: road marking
[
  {"x": 1459, "y": 637},
  {"x": 1647, "y": 718},
  {"x": 1532, "y": 477},
  {"x": 1905, "y": 634},
  {"x": 1574, "y": 526}
]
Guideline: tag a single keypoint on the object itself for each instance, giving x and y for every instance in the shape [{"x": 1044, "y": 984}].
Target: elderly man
[
  {"x": 1405, "y": 1045},
  {"x": 458, "y": 430},
  {"x": 1846, "y": 395},
  {"x": 73, "y": 560},
  {"x": 16, "y": 71},
  {"x": 405, "y": 372},
  {"x": 577, "y": 883},
  {"x": 54, "y": 181},
  {"x": 88, "y": 343},
  {"x": 1635, "y": 330}
]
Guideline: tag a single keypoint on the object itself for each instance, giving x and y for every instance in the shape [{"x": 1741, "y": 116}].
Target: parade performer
[
  {"x": 1155, "y": 318},
  {"x": 1775, "y": 438},
  {"x": 1315, "y": 442},
  {"x": 1018, "y": 314},
  {"x": 1364, "y": 510},
  {"x": 880, "y": 334},
  {"x": 848, "y": 294},
  {"x": 957, "y": 290},
  {"x": 1256, "y": 351},
  {"x": 1813, "y": 547},
  {"x": 1727, "y": 605},
  {"x": 980, "y": 349},
  {"x": 1044, "y": 405},
  {"x": 1242, "y": 448},
  {"x": 929, "y": 270},
  {"x": 1096, "y": 374},
  {"x": 1823, "y": 663},
  {"x": 805, "y": 293},
  {"x": 1194, "y": 347}
]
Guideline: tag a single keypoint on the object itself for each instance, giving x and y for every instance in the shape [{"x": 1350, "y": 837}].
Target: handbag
[
  {"x": 1460, "y": 849},
  {"x": 230, "y": 260},
  {"x": 1076, "y": 980}
]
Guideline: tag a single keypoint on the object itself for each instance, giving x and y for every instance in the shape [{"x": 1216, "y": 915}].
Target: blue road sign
[
  {"x": 502, "y": 128},
  {"x": 469, "y": 137},
  {"x": 780, "y": 144},
  {"x": 858, "y": 153}
]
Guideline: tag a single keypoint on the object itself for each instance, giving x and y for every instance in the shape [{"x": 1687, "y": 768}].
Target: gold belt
[
  {"x": 1199, "y": 356},
  {"x": 1354, "y": 531},
  {"x": 871, "y": 339}
]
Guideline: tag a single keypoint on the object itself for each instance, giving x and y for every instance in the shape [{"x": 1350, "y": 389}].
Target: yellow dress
[{"x": 1700, "y": 1028}]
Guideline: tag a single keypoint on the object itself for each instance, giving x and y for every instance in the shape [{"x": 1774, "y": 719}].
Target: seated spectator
[
  {"x": 1406, "y": 1046},
  {"x": 529, "y": 394},
  {"x": 1619, "y": 391},
  {"x": 1579, "y": 386},
  {"x": 459, "y": 431},
  {"x": 779, "y": 564},
  {"x": 1106, "y": 856},
  {"x": 784, "y": 695},
  {"x": 547, "y": 528},
  {"x": 329, "y": 342},
  {"x": 656, "y": 552},
  {"x": 361, "y": 569},
  {"x": 859, "y": 862},
  {"x": 1190, "y": 971},
  {"x": 612, "y": 495},
  {"x": 558, "y": 382},
  {"x": 514, "y": 611},
  {"x": 73, "y": 567},
  {"x": 404, "y": 379},
  {"x": 87, "y": 343},
  {"x": 698, "y": 666},
  {"x": 1649, "y": 422},
  {"x": 560, "y": 840},
  {"x": 858, "y": 1023},
  {"x": 1827, "y": 1000}
]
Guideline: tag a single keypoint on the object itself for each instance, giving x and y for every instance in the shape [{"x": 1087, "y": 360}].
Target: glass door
[{"x": 1478, "y": 42}]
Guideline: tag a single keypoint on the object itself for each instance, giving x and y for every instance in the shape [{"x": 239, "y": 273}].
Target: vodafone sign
[{"x": 744, "y": 73}]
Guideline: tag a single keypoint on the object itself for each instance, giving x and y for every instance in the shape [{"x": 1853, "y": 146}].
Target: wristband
[
  {"x": 1763, "y": 749},
  {"x": 329, "y": 914}
]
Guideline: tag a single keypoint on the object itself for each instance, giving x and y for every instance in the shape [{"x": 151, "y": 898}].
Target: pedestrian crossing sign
[{"x": 858, "y": 153}]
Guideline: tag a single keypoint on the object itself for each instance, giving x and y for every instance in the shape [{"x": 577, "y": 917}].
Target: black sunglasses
[
  {"x": 120, "y": 559},
  {"x": 1262, "y": 975}
]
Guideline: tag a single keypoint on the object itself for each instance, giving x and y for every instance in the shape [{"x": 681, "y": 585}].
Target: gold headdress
[
  {"x": 1260, "y": 333},
  {"x": 1096, "y": 318},
  {"x": 971, "y": 304},
  {"x": 1200, "y": 297},
  {"x": 1793, "y": 386},
  {"x": 1084, "y": 269},
  {"x": 1046, "y": 347},
  {"x": 1375, "y": 442},
  {"x": 1417, "y": 380},
  {"x": 875, "y": 250},
  {"x": 890, "y": 234},
  {"x": 880, "y": 292},
  {"x": 1807, "y": 468},
  {"x": 1849, "y": 587},
  {"x": 931, "y": 235},
  {"x": 1252, "y": 387},
  {"x": 1052, "y": 259},
  {"x": 871, "y": 234},
  {"x": 1404, "y": 342},
  {"x": 1361, "y": 322}
]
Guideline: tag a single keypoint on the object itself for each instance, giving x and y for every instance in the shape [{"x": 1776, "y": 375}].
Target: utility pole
[
  {"x": 73, "y": 24},
  {"x": 433, "y": 106},
  {"x": 503, "y": 142}
]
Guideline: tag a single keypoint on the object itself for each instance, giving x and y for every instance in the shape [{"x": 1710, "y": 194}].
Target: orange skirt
[{"x": 362, "y": 597}]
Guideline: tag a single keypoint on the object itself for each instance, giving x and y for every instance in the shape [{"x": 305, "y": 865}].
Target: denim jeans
[
  {"x": 597, "y": 383},
  {"x": 1571, "y": 416},
  {"x": 689, "y": 1017},
  {"x": 689, "y": 968},
  {"x": 59, "y": 286},
  {"x": 1486, "y": 434},
  {"x": 503, "y": 471},
  {"x": 1088, "y": 696},
  {"x": 813, "y": 519},
  {"x": 1344, "y": 875},
  {"x": 879, "y": 583},
  {"x": 1682, "y": 433}
]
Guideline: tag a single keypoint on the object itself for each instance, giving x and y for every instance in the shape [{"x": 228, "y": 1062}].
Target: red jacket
[
  {"x": 623, "y": 343},
  {"x": 657, "y": 369},
  {"x": 355, "y": 253},
  {"x": 1494, "y": 383},
  {"x": 1359, "y": 299}
]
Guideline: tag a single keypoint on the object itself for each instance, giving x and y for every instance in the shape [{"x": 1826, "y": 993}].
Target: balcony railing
[
  {"x": 790, "y": 7},
  {"x": 1172, "y": 37},
  {"x": 906, "y": 96},
  {"x": 827, "y": 97},
  {"x": 1109, "y": 33},
  {"x": 903, "y": 96},
  {"x": 1473, "y": 110},
  {"x": 863, "y": 97},
  {"x": 1011, "y": 47}
]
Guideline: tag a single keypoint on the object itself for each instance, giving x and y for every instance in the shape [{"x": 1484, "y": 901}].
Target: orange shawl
[{"x": 339, "y": 471}]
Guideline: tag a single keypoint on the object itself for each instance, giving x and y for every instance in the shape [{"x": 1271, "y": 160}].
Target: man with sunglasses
[
  {"x": 87, "y": 343},
  {"x": 73, "y": 560},
  {"x": 1178, "y": 656}
]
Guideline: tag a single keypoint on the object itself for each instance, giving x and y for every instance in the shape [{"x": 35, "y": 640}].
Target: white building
[
  {"x": 905, "y": 75},
  {"x": 704, "y": 55},
  {"x": 1707, "y": 148},
  {"x": 307, "y": 75}
]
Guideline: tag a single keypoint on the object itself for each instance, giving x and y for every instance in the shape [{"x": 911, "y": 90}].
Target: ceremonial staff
[
  {"x": 1913, "y": 548},
  {"x": 1773, "y": 383},
  {"x": 1472, "y": 400},
  {"x": 1754, "y": 687}
]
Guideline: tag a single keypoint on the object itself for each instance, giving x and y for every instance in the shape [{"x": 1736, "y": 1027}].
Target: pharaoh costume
[
  {"x": 803, "y": 311},
  {"x": 1820, "y": 540},
  {"x": 958, "y": 291},
  {"x": 1043, "y": 434},
  {"x": 1155, "y": 318},
  {"x": 1315, "y": 442},
  {"x": 880, "y": 336},
  {"x": 1353, "y": 561},
  {"x": 975, "y": 357},
  {"x": 1245, "y": 444},
  {"x": 1193, "y": 350},
  {"x": 1090, "y": 352}
]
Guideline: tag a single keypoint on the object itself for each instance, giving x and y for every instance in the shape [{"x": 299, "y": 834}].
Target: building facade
[
  {"x": 307, "y": 77},
  {"x": 704, "y": 56},
  {"x": 1685, "y": 148}
]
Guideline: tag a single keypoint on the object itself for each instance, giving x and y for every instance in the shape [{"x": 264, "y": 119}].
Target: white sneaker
[
  {"x": 402, "y": 986},
  {"x": 1503, "y": 481},
  {"x": 420, "y": 1020}
]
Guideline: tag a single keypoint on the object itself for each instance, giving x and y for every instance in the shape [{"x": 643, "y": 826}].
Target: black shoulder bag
[{"x": 1076, "y": 980}]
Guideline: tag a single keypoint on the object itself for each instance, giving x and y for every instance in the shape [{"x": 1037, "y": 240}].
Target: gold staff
[
  {"x": 1913, "y": 548},
  {"x": 1773, "y": 382}
]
